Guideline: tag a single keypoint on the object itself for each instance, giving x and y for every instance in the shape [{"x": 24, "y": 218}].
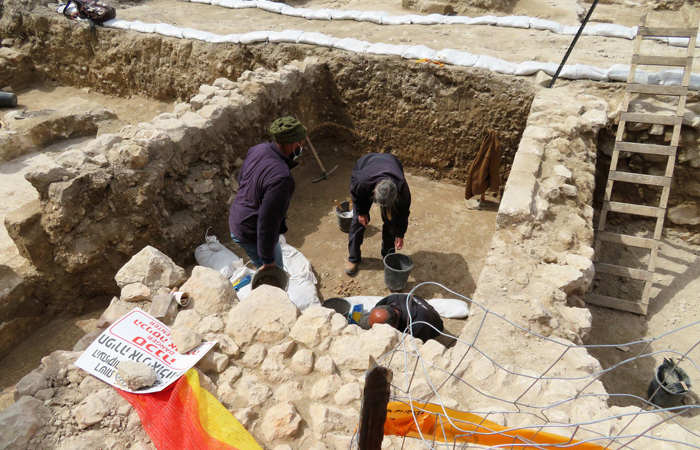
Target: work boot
[{"x": 350, "y": 268}]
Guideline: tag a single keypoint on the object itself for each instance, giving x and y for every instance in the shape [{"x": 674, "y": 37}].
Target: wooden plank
[
  {"x": 624, "y": 239},
  {"x": 654, "y": 60},
  {"x": 651, "y": 118},
  {"x": 639, "y": 210},
  {"x": 649, "y": 149},
  {"x": 639, "y": 178},
  {"x": 616, "y": 303},
  {"x": 666, "y": 31},
  {"x": 654, "y": 89},
  {"x": 627, "y": 272}
]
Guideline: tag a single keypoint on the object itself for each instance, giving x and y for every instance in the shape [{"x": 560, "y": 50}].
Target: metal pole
[{"x": 573, "y": 43}]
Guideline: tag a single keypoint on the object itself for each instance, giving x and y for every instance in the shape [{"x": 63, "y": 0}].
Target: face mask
[{"x": 297, "y": 153}]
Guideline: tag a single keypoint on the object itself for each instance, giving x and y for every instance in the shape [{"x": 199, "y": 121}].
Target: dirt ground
[{"x": 447, "y": 242}]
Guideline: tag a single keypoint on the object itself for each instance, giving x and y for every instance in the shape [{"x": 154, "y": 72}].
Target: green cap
[{"x": 286, "y": 130}]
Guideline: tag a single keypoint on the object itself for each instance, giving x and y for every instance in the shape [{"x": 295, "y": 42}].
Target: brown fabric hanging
[{"x": 483, "y": 173}]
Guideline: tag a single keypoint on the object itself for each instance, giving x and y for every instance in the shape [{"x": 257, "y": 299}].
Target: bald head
[{"x": 384, "y": 314}]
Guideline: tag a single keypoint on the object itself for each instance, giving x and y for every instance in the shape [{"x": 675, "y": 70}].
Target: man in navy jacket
[
  {"x": 378, "y": 178},
  {"x": 398, "y": 310},
  {"x": 265, "y": 187}
]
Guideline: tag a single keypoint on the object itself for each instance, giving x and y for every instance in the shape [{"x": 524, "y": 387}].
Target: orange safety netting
[
  {"x": 186, "y": 416},
  {"x": 448, "y": 425}
]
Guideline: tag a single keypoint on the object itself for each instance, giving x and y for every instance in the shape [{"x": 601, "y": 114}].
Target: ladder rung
[
  {"x": 666, "y": 32},
  {"x": 640, "y": 210},
  {"x": 626, "y": 239},
  {"x": 651, "y": 118},
  {"x": 656, "y": 89},
  {"x": 616, "y": 303},
  {"x": 639, "y": 178},
  {"x": 628, "y": 272},
  {"x": 649, "y": 149},
  {"x": 653, "y": 60}
]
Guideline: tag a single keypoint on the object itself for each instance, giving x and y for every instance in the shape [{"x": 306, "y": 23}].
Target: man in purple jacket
[
  {"x": 265, "y": 187},
  {"x": 378, "y": 178}
]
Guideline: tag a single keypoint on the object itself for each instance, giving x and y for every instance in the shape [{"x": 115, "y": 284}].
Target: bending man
[
  {"x": 265, "y": 187},
  {"x": 396, "y": 310},
  {"x": 378, "y": 178}
]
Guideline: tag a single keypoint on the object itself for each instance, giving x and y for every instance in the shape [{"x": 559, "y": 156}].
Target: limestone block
[
  {"x": 208, "y": 90},
  {"x": 152, "y": 268},
  {"x": 290, "y": 391},
  {"x": 517, "y": 204},
  {"x": 275, "y": 371},
  {"x": 56, "y": 364},
  {"x": 352, "y": 352},
  {"x": 30, "y": 384},
  {"x": 531, "y": 146},
  {"x": 136, "y": 375},
  {"x": 303, "y": 362},
  {"x": 569, "y": 190},
  {"x": 254, "y": 356},
  {"x": 266, "y": 315},
  {"x": 91, "y": 410},
  {"x": 325, "y": 419},
  {"x": 246, "y": 416},
  {"x": 536, "y": 133},
  {"x": 685, "y": 214},
  {"x": 585, "y": 265},
  {"x": 313, "y": 326},
  {"x": 338, "y": 324},
  {"x": 281, "y": 421},
  {"x": 213, "y": 362},
  {"x": 348, "y": 394},
  {"x": 339, "y": 441},
  {"x": 187, "y": 319},
  {"x": 42, "y": 174},
  {"x": 134, "y": 292},
  {"x": 198, "y": 101},
  {"x": 210, "y": 291},
  {"x": 185, "y": 339},
  {"x": 282, "y": 351},
  {"x": 226, "y": 344},
  {"x": 527, "y": 163},
  {"x": 224, "y": 83},
  {"x": 431, "y": 350},
  {"x": 325, "y": 365},
  {"x": 128, "y": 154},
  {"x": 252, "y": 391},
  {"x": 230, "y": 375},
  {"x": 567, "y": 278},
  {"x": 561, "y": 171},
  {"x": 19, "y": 422}
]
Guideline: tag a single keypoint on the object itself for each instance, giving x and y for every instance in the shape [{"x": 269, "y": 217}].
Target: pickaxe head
[{"x": 325, "y": 175}]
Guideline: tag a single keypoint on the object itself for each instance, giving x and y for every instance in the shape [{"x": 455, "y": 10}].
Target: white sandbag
[
  {"x": 430, "y": 19},
  {"x": 320, "y": 14},
  {"x": 542, "y": 24},
  {"x": 226, "y": 3},
  {"x": 583, "y": 72},
  {"x": 396, "y": 20},
  {"x": 367, "y": 301},
  {"x": 570, "y": 29},
  {"x": 372, "y": 16},
  {"x": 514, "y": 21},
  {"x": 450, "y": 308},
  {"x": 232, "y": 38},
  {"x": 495, "y": 64},
  {"x": 191, "y": 33},
  {"x": 455, "y": 57},
  {"x": 118, "y": 23},
  {"x": 254, "y": 37},
  {"x": 620, "y": 72},
  {"x": 531, "y": 67},
  {"x": 609, "y": 30},
  {"x": 352, "y": 45},
  {"x": 302, "y": 281},
  {"x": 291, "y": 36},
  {"x": 297, "y": 12},
  {"x": 457, "y": 20},
  {"x": 208, "y": 2},
  {"x": 675, "y": 41},
  {"x": 242, "y": 4},
  {"x": 386, "y": 49},
  {"x": 165, "y": 29},
  {"x": 419, "y": 52},
  {"x": 338, "y": 14},
  {"x": 269, "y": 6},
  {"x": 143, "y": 27},
  {"x": 314, "y": 38},
  {"x": 303, "y": 294},
  {"x": 215, "y": 256},
  {"x": 484, "y": 20}
]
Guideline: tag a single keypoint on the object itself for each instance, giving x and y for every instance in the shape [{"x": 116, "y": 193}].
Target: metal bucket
[
  {"x": 397, "y": 267},
  {"x": 344, "y": 216},
  {"x": 8, "y": 100}
]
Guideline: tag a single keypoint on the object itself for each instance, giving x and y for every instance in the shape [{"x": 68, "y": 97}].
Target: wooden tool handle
[{"x": 337, "y": 204}]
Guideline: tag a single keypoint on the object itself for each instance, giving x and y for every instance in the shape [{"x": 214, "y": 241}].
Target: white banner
[{"x": 141, "y": 338}]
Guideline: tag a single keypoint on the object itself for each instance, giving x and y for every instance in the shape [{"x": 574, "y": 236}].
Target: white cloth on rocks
[{"x": 448, "y": 308}]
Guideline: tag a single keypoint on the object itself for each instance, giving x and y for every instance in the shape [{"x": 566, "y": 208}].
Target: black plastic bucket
[
  {"x": 339, "y": 305},
  {"x": 8, "y": 100},
  {"x": 669, "y": 386},
  {"x": 344, "y": 216},
  {"x": 397, "y": 267},
  {"x": 273, "y": 276}
]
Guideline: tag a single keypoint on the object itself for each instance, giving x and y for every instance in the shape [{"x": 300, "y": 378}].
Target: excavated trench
[{"x": 165, "y": 182}]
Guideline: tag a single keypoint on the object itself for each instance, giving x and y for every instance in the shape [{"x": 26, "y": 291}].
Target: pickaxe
[{"x": 325, "y": 174}]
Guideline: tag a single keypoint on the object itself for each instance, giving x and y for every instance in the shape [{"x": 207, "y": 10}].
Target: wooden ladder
[{"x": 604, "y": 237}]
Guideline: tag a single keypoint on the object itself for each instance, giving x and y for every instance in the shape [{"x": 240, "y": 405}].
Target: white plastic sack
[
  {"x": 542, "y": 24},
  {"x": 314, "y": 38},
  {"x": 269, "y": 6},
  {"x": 456, "y": 58},
  {"x": 338, "y": 14},
  {"x": 419, "y": 52},
  {"x": 531, "y": 67},
  {"x": 430, "y": 19},
  {"x": 291, "y": 36},
  {"x": 165, "y": 29},
  {"x": 191, "y": 33},
  {"x": 241, "y": 4},
  {"x": 583, "y": 71},
  {"x": 450, "y": 308},
  {"x": 215, "y": 256},
  {"x": 297, "y": 12},
  {"x": 118, "y": 23},
  {"x": 485, "y": 20},
  {"x": 208, "y": 2},
  {"x": 143, "y": 27},
  {"x": 320, "y": 14},
  {"x": 352, "y": 45},
  {"x": 396, "y": 20},
  {"x": 254, "y": 37},
  {"x": 232, "y": 38},
  {"x": 514, "y": 21},
  {"x": 386, "y": 49},
  {"x": 372, "y": 16},
  {"x": 457, "y": 20},
  {"x": 367, "y": 301},
  {"x": 495, "y": 65},
  {"x": 609, "y": 30},
  {"x": 570, "y": 29}
]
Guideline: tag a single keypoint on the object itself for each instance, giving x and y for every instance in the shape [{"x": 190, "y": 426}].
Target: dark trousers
[{"x": 356, "y": 237}]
